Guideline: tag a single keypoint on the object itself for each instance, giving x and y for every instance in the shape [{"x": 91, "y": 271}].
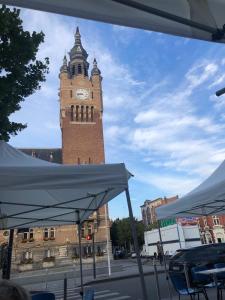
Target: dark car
[{"x": 205, "y": 255}]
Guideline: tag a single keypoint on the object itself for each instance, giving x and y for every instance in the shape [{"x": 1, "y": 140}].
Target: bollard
[
  {"x": 65, "y": 287},
  {"x": 157, "y": 279}
]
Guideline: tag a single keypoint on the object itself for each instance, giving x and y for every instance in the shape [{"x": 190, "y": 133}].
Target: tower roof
[
  {"x": 95, "y": 70},
  {"x": 64, "y": 65},
  {"x": 78, "y": 51}
]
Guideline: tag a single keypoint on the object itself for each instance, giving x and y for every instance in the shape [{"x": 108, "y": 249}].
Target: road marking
[
  {"x": 107, "y": 295},
  {"x": 121, "y": 298}
]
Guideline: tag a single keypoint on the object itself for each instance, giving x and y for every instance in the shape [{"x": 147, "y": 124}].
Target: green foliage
[
  {"x": 121, "y": 235},
  {"x": 20, "y": 72}
]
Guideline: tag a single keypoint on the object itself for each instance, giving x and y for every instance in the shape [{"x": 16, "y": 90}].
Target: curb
[{"x": 114, "y": 278}]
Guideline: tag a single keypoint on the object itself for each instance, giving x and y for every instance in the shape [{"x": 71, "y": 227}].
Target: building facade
[
  {"x": 212, "y": 229},
  {"x": 148, "y": 209},
  {"x": 81, "y": 112}
]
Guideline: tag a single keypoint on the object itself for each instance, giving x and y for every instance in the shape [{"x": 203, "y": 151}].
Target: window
[
  {"x": 78, "y": 161},
  {"x": 216, "y": 220},
  {"x": 52, "y": 233},
  {"x": 92, "y": 95},
  {"x": 77, "y": 113},
  {"x": 49, "y": 234},
  {"x": 89, "y": 229},
  {"x": 82, "y": 113},
  {"x": 45, "y": 233},
  {"x": 31, "y": 231},
  {"x": 71, "y": 93},
  {"x": 72, "y": 112},
  {"x": 27, "y": 256},
  {"x": 89, "y": 160},
  {"x": 25, "y": 236},
  {"x": 86, "y": 113},
  {"x": 79, "y": 69},
  {"x": 92, "y": 114}
]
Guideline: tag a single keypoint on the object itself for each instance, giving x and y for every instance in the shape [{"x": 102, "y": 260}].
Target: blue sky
[{"x": 160, "y": 114}]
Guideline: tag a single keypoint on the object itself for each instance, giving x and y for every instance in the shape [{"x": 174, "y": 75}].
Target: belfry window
[
  {"x": 87, "y": 113},
  {"x": 77, "y": 113},
  {"x": 72, "y": 112},
  {"x": 92, "y": 114},
  {"x": 79, "y": 68},
  {"x": 82, "y": 113}
]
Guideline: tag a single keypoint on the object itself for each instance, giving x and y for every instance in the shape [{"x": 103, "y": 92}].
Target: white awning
[
  {"x": 207, "y": 199},
  {"x": 39, "y": 193},
  {"x": 190, "y": 18}
]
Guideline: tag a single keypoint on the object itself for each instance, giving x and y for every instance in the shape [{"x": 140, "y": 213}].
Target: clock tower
[{"x": 81, "y": 108}]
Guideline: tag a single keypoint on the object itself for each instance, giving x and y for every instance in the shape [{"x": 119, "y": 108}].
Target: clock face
[{"x": 82, "y": 94}]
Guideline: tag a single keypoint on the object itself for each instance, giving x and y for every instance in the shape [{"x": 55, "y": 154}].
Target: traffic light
[{"x": 89, "y": 237}]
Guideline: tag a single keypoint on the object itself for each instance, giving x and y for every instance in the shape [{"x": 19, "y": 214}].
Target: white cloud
[{"x": 169, "y": 184}]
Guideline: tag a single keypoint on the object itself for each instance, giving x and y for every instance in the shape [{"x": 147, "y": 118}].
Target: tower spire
[
  {"x": 95, "y": 70},
  {"x": 64, "y": 65},
  {"x": 78, "y": 64}
]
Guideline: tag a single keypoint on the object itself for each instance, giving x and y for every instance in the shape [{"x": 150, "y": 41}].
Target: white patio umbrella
[
  {"x": 39, "y": 193},
  {"x": 202, "y": 19},
  {"x": 207, "y": 199}
]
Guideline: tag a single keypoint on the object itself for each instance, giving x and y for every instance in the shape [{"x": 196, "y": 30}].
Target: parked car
[
  {"x": 204, "y": 255},
  {"x": 118, "y": 254}
]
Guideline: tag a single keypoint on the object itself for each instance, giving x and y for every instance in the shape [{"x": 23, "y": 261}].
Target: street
[{"x": 124, "y": 282}]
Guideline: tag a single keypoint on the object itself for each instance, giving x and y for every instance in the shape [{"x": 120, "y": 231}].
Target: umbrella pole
[
  {"x": 134, "y": 234},
  {"x": 80, "y": 253},
  {"x": 164, "y": 261},
  {"x": 7, "y": 270}
]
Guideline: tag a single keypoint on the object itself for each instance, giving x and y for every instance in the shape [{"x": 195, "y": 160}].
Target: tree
[
  {"x": 20, "y": 71},
  {"x": 121, "y": 235}
]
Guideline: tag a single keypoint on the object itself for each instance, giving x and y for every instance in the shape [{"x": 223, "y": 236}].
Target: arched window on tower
[
  {"x": 82, "y": 113},
  {"x": 86, "y": 113},
  {"x": 92, "y": 114},
  {"x": 72, "y": 112},
  {"x": 79, "y": 68},
  {"x": 77, "y": 113}
]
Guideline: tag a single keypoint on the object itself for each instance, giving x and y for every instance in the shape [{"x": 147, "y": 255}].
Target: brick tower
[{"x": 81, "y": 110}]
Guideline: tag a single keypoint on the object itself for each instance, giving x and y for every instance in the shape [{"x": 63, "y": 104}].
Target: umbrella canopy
[
  {"x": 202, "y": 19},
  {"x": 39, "y": 193},
  {"x": 207, "y": 199}
]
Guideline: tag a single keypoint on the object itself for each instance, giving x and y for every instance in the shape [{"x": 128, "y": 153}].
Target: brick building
[
  {"x": 148, "y": 209},
  {"x": 81, "y": 111},
  {"x": 212, "y": 229}
]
